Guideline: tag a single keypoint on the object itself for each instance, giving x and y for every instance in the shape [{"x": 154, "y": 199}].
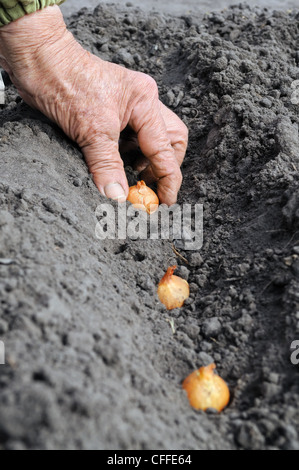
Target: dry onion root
[
  {"x": 206, "y": 390},
  {"x": 143, "y": 198},
  {"x": 173, "y": 290}
]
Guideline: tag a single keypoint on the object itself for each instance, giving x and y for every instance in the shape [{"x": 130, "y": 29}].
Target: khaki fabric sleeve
[{"x": 12, "y": 10}]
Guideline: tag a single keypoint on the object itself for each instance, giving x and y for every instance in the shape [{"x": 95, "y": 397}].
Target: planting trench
[{"x": 92, "y": 361}]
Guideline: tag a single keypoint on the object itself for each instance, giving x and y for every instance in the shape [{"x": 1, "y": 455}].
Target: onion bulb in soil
[
  {"x": 144, "y": 198},
  {"x": 206, "y": 390},
  {"x": 173, "y": 290}
]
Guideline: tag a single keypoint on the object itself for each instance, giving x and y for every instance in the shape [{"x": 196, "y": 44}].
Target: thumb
[{"x": 107, "y": 168}]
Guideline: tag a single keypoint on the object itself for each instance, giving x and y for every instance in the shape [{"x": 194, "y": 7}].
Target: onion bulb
[
  {"x": 173, "y": 290},
  {"x": 142, "y": 197},
  {"x": 206, "y": 390}
]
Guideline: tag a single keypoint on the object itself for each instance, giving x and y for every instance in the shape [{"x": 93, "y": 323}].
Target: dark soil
[{"x": 92, "y": 361}]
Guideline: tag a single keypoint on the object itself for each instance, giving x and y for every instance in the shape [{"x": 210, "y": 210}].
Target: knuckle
[
  {"x": 104, "y": 165},
  {"x": 184, "y": 132},
  {"x": 148, "y": 85},
  {"x": 179, "y": 178},
  {"x": 151, "y": 85},
  {"x": 176, "y": 176},
  {"x": 181, "y": 142},
  {"x": 171, "y": 184},
  {"x": 85, "y": 132}
]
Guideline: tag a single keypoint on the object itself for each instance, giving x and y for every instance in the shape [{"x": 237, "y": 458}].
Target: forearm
[
  {"x": 22, "y": 41},
  {"x": 29, "y": 45}
]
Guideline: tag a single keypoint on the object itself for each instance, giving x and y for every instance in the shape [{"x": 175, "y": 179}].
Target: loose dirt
[{"x": 92, "y": 361}]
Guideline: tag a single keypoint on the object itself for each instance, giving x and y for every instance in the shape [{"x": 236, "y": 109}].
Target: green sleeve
[{"x": 11, "y": 10}]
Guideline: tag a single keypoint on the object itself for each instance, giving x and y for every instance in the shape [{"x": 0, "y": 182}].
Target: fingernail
[{"x": 115, "y": 191}]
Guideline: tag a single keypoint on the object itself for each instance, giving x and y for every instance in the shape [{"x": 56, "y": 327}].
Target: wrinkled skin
[{"x": 93, "y": 101}]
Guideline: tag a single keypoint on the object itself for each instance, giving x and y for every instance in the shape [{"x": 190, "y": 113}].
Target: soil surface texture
[
  {"x": 91, "y": 359},
  {"x": 175, "y": 7}
]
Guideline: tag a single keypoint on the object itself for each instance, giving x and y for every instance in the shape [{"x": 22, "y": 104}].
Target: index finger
[{"x": 150, "y": 127}]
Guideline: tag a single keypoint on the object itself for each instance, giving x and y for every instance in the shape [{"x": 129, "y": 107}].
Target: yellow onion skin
[
  {"x": 173, "y": 290},
  {"x": 143, "y": 198},
  {"x": 206, "y": 390}
]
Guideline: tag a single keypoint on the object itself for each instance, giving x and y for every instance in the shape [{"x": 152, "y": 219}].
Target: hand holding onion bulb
[
  {"x": 144, "y": 198},
  {"x": 206, "y": 390},
  {"x": 173, "y": 290}
]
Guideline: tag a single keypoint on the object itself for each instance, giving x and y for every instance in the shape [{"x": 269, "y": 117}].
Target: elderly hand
[{"x": 93, "y": 101}]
